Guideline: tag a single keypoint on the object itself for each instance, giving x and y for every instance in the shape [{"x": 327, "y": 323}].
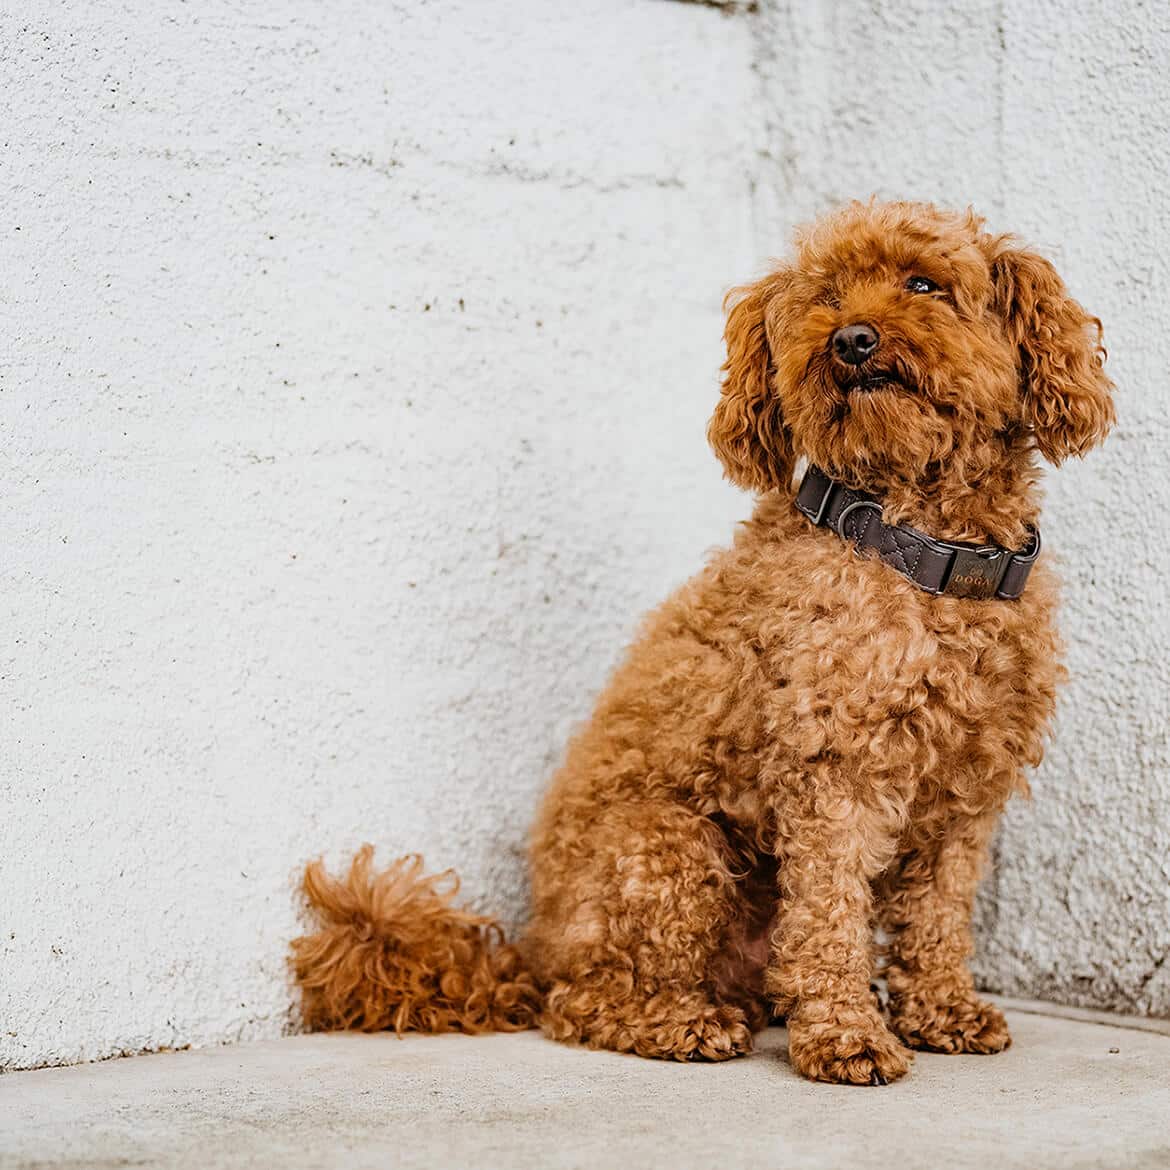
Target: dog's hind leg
[
  {"x": 605, "y": 1009},
  {"x": 629, "y": 933}
]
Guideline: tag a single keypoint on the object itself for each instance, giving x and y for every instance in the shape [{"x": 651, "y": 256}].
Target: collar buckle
[
  {"x": 936, "y": 566},
  {"x": 815, "y": 494}
]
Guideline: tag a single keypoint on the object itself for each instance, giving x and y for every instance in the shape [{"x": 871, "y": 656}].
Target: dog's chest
[{"x": 923, "y": 688}]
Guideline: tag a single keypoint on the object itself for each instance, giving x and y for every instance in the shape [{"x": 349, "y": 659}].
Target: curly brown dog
[{"x": 814, "y": 736}]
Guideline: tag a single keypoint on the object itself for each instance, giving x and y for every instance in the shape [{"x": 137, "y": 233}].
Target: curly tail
[{"x": 390, "y": 951}]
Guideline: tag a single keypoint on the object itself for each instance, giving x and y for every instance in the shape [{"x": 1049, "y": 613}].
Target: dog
[{"x": 815, "y": 736}]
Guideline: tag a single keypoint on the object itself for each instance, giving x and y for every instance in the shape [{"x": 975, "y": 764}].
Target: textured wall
[
  {"x": 1054, "y": 120},
  {"x": 357, "y": 363},
  {"x": 356, "y": 369}
]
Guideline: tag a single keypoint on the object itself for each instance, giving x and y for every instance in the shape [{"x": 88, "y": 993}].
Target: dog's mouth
[{"x": 869, "y": 382}]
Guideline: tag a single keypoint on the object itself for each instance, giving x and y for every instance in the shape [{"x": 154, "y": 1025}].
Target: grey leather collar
[{"x": 942, "y": 567}]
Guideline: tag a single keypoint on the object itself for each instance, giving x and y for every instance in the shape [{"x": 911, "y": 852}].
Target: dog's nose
[{"x": 855, "y": 343}]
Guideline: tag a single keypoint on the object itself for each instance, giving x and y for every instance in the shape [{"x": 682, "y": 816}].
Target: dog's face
[{"x": 901, "y": 341}]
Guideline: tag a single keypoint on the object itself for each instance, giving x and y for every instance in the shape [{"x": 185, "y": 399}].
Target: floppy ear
[
  {"x": 747, "y": 429},
  {"x": 1068, "y": 398}
]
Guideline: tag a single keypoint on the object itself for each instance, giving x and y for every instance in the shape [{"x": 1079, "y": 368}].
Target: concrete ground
[{"x": 1070, "y": 1093}]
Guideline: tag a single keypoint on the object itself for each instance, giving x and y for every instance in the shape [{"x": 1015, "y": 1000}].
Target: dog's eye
[{"x": 921, "y": 284}]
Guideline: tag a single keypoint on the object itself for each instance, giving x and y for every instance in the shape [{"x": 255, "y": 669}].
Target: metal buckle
[
  {"x": 976, "y": 572},
  {"x": 823, "y": 506},
  {"x": 817, "y": 515},
  {"x": 848, "y": 511},
  {"x": 1028, "y": 555}
]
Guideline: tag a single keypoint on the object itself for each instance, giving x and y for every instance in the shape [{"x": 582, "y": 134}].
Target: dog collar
[{"x": 939, "y": 566}]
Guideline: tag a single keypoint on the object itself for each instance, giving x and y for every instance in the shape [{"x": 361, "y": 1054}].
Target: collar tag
[{"x": 976, "y": 572}]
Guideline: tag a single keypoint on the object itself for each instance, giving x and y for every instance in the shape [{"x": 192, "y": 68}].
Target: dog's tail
[{"x": 391, "y": 951}]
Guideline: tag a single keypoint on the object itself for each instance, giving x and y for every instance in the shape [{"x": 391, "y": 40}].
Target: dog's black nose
[{"x": 855, "y": 343}]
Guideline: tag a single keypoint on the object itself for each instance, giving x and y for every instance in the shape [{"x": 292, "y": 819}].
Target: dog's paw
[
  {"x": 966, "y": 1024},
  {"x": 849, "y": 1047},
  {"x": 668, "y": 1026},
  {"x": 719, "y": 1034},
  {"x": 682, "y": 1031}
]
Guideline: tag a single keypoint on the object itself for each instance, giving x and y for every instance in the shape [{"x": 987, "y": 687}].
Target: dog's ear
[
  {"x": 1068, "y": 398},
  {"x": 747, "y": 430}
]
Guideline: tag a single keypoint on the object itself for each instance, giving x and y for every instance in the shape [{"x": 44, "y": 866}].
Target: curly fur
[
  {"x": 800, "y": 744},
  {"x": 392, "y": 952}
]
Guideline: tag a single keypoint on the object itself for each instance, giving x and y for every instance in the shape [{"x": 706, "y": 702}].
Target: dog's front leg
[
  {"x": 927, "y": 900},
  {"x": 831, "y": 846}
]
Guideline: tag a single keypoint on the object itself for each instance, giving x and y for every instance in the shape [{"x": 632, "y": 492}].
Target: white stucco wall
[{"x": 356, "y": 364}]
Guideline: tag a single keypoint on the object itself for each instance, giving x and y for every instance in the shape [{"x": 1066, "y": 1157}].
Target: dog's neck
[{"x": 992, "y": 495}]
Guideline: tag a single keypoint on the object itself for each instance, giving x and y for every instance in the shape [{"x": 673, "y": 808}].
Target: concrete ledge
[
  {"x": 1068, "y": 1094},
  {"x": 1038, "y": 1007}
]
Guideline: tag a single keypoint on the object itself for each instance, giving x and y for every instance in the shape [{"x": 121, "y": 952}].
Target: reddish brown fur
[
  {"x": 392, "y": 952},
  {"x": 800, "y": 744}
]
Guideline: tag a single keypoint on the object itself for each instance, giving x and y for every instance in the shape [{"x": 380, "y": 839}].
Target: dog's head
[{"x": 903, "y": 340}]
